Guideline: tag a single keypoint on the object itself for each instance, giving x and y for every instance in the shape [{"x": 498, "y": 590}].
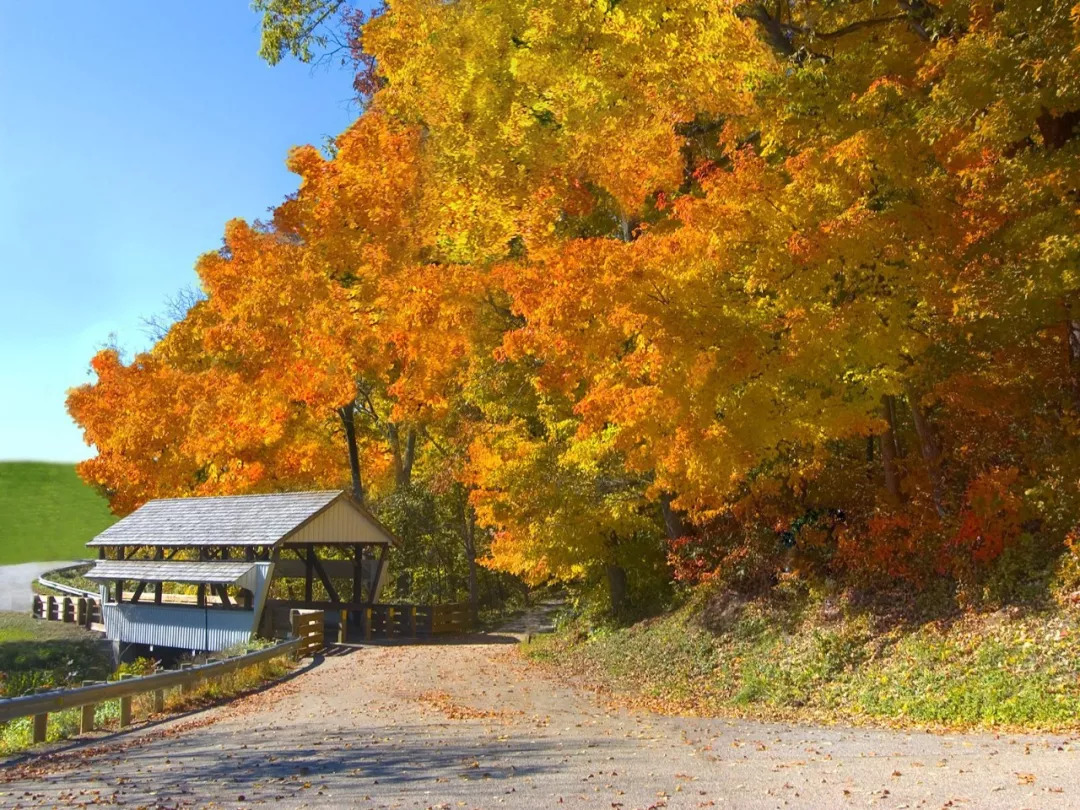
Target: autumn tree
[{"x": 776, "y": 287}]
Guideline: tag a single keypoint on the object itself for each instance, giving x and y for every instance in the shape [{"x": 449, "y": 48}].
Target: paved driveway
[
  {"x": 15, "y": 581},
  {"x": 471, "y": 725}
]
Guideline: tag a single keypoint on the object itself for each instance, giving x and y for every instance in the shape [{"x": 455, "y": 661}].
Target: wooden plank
[
  {"x": 335, "y": 569},
  {"x": 358, "y": 573},
  {"x": 378, "y": 574},
  {"x": 318, "y": 566},
  {"x": 309, "y": 573},
  {"x": 312, "y": 605}
]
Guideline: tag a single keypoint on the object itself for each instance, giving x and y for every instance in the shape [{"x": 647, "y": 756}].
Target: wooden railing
[
  {"x": 412, "y": 621},
  {"x": 308, "y": 627},
  {"x": 377, "y": 621},
  {"x": 81, "y": 610},
  {"x": 40, "y": 705},
  {"x": 455, "y": 618}
]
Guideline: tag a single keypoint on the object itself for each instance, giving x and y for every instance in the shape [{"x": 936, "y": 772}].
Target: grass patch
[
  {"x": 47, "y": 512},
  {"x": 38, "y": 654},
  {"x": 805, "y": 658}
]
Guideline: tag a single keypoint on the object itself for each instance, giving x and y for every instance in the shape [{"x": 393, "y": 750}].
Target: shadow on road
[{"x": 415, "y": 754}]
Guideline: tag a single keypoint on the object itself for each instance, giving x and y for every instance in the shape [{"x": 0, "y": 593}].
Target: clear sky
[{"x": 130, "y": 132}]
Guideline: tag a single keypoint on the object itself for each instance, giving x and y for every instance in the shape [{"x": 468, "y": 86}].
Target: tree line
[{"x": 634, "y": 292}]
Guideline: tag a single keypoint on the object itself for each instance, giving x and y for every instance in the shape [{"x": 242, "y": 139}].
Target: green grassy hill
[{"x": 47, "y": 512}]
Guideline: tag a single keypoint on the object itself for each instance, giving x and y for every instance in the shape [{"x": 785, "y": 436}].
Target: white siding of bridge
[{"x": 182, "y": 627}]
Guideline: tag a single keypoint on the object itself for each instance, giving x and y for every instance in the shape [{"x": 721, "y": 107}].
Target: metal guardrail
[
  {"x": 59, "y": 586},
  {"x": 39, "y": 706}
]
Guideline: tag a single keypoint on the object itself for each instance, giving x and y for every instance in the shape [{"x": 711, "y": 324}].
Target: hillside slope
[
  {"x": 47, "y": 512},
  {"x": 813, "y": 659}
]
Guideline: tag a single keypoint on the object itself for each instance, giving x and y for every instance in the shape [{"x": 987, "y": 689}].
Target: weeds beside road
[{"x": 811, "y": 659}]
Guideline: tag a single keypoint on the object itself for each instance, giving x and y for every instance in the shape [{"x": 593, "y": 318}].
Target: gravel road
[{"x": 470, "y": 725}]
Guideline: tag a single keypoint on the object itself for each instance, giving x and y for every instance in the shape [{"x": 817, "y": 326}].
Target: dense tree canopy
[{"x": 758, "y": 287}]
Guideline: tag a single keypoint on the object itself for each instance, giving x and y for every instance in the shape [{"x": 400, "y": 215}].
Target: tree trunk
[
  {"x": 888, "y": 450},
  {"x": 674, "y": 520},
  {"x": 1072, "y": 341},
  {"x": 898, "y": 441},
  {"x": 469, "y": 535},
  {"x": 616, "y": 575},
  {"x": 348, "y": 414},
  {"x": 930, "y": 449},
  {"x": 403, "y": 458},
  {"x": 1057, "y": 130},
  {"x": 409, "y": 458}
]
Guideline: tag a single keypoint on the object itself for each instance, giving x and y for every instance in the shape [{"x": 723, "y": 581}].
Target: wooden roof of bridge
[
  {"x": 285, "y": 518},
  {"x": 190, "y": 571}
]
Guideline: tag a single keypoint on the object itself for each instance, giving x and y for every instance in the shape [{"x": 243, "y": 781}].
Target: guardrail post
[
  {"x": 125, "y": 706},
  {"x": 412, "y": 620},
  {"x": 86, "y": 722},
  {"x": 367, "y": 624},
  {"x": 187, "y": 686},
  {"x": 41, "y": 725},
  {"x": 343, "y": 627},
  {"x": 80, "y": 610},
  {"x": 159, "y": 701},
  {"x": 390, "y": 622},
  {"x": 294, "y": 625}
]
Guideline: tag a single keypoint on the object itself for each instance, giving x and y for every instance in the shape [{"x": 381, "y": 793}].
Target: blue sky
[{"x": 130, "y": 132}]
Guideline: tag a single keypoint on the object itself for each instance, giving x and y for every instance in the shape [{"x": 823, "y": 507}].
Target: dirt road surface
[{"x": 470, "y": 725}]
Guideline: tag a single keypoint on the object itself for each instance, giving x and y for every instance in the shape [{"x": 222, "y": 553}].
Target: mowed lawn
[{"x": 47, "y": 512}]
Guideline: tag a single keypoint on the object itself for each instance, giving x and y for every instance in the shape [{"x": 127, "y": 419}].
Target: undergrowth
[{"x": 811, "y": 657}]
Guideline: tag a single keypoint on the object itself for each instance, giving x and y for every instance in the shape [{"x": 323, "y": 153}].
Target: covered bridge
[{"x": 230, "y": 550}]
